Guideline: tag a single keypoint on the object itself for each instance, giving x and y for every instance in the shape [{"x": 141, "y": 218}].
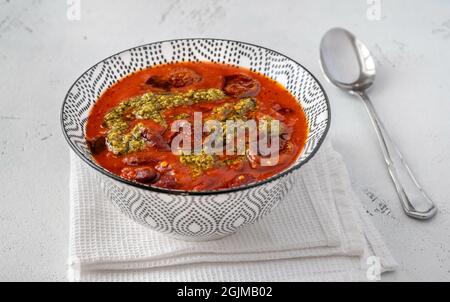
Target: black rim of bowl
[{"x": 289, "y": 170}]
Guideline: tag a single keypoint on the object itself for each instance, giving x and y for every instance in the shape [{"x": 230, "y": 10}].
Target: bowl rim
[{"x": 185, "y": 192}]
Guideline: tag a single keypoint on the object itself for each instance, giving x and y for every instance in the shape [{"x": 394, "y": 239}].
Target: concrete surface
[{"x": 43, "y": 50}]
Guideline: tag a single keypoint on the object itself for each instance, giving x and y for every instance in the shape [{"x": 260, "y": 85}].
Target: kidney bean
[{"x": 145, "y": 175}]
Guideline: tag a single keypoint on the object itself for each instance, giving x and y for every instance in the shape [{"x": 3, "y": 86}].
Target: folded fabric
[{"x": 318, "y": 233}]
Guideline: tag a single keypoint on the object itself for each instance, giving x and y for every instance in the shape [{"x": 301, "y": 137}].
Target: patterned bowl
[{"x": 196, "y": 216}]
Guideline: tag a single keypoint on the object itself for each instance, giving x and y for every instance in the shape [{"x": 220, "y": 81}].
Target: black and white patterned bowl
[{"x": 206, "y": 215}]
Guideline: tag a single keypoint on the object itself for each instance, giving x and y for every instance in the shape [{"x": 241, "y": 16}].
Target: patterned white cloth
[{"x": 318, "y": 233}]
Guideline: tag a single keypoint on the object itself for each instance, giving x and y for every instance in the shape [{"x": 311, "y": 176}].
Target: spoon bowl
[
  {"x": 346, "y": 61},
  {"x": 348, "y": 64}
]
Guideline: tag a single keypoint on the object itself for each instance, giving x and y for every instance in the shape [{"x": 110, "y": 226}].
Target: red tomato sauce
[{"x": 157, "y": 166}]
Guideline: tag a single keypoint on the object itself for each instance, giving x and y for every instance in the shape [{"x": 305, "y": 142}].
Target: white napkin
[{"x": 318, "y": 233}]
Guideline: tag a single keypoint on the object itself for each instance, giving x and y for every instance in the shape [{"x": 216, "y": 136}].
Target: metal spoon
[{"x": 348, "y": 64}]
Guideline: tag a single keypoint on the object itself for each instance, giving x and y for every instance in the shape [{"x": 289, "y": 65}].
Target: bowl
[{"x": 186, "y": 215}]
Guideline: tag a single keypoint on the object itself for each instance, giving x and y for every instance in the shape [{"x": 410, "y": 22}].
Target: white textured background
[{"x": 42, "y": 53}]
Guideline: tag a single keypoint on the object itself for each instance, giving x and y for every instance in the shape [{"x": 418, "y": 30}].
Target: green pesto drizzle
[{"x": 149, "y": 106}]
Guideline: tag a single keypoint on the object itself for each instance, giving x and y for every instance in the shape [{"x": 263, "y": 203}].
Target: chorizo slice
[
  {"x": 241, "y": 86},
  {"x": 167, "y": 181},
  {"x": 182, "y": 77},
  {"x": 97, "y": 144},
  {"x": 158, "y": 82},
  {"x": 177, "y": 78}
]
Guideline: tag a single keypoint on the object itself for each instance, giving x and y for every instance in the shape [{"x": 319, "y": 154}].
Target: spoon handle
[{"x": 414, "y": 200}]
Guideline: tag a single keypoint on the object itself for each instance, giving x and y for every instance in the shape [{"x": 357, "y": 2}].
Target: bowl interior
[{"x": 298, "y": 80}]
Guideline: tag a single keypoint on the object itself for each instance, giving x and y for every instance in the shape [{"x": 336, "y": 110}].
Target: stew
[{"x": 133, "y": 128}]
